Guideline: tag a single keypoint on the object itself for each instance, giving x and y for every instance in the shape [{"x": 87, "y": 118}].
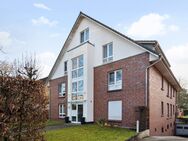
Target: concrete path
[{"x": 165, "y": 138}]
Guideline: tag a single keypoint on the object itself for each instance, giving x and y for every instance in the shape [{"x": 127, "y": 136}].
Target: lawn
[
  {"x": 89, "y": 133},
  {"x": 54, "y": 122}
]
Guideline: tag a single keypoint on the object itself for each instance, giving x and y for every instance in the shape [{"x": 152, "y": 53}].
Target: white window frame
[
  {"x": 117, "y": 85},
  {"x": 62, "y": 93},
  {"x": 77, "y": 67},
  {"x": 109, "y": 57},
  {"x": 61, "y": 111},
  {"x": 115, "y": 110},
  {"x": 86, "y": 37},
  {"x": 77, "y": 79}
]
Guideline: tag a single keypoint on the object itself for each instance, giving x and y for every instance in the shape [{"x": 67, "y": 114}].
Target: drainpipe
[{"x": 146, "y": 91}]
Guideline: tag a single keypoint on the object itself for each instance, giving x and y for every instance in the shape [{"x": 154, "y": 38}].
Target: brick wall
[
  {"x": 55, "y": 100},
  {"x": 156, "y": 96},
  {"x": 132, "y": 93}
]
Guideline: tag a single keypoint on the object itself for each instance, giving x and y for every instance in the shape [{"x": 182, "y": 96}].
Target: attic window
[{"x": 84, "y": 35}]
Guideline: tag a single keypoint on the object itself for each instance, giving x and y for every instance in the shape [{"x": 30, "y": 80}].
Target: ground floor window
[
  {"x": 61, "y": 111},
  {"x": 115, "y": 110}
]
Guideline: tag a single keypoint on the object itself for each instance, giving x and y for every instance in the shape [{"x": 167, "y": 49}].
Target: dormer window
[
  {"x": 107, "y": 52},
  {"x": 84, "y": 35}
]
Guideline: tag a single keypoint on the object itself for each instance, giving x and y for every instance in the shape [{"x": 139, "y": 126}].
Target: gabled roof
[{"x": 78, "y": 20}]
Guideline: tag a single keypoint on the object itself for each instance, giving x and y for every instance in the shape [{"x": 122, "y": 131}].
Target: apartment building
[{"x": 101, "y": 74}]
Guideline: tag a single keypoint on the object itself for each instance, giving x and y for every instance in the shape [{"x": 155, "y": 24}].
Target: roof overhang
[{"x": 167, "y": 73}]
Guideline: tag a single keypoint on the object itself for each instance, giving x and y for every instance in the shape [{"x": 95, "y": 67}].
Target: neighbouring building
[{"x": 102, "y": 74}]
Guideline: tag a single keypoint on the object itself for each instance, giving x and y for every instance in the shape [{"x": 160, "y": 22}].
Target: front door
[
  {"x": 77, "y": 113},
  {"x": 80, "y": 112}
]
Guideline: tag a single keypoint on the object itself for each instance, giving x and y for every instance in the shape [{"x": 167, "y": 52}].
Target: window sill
[
  {"x": 110, "y": 120},
  {"x": 62, "y": 117},
  {"x": 62, "y": 96},
  {"x": 116, "y": 90}
]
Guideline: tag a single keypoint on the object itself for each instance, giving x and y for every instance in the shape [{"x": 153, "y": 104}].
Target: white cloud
[
  {"x": 173, "y": 28},
  {"x": 46, "y": 61},
  {"x": 44, "y": 21},
  {"x": 5, "y": 39},
  {"x": 151, "y": 25},
  {"x": 178, "y": 57},
  {"x": 41, "y": 6}
]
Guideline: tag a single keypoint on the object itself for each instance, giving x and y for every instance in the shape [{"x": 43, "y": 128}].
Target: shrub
[{"x": 23, "y": 109}]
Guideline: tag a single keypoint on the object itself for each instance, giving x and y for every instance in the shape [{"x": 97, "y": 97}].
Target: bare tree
[
  {"x": 27, "y": 67},
  {"x": 6, "y": 68}
]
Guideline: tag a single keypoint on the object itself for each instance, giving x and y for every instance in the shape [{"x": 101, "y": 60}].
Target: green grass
[
  {"x": 54, "y": 122},
  {"x": 185, "y": 116},
  {"x": 89, "y": 133}
]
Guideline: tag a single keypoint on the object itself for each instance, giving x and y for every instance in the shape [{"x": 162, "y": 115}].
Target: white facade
[{"x": 99, "y": 35}]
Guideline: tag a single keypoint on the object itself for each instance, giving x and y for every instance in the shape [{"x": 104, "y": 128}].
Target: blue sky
[{"x": 41, "y": 26}]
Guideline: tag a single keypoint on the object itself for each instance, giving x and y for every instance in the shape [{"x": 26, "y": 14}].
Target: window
[
  {"x": 77, "y": 77},
  {"x": 162, "y": 109},
  {"x": 107, "y": 52},
  {"x": 65, "y": 67},
  {"x": 171, "y": 89},
  {"x": 73, "y": 118},
  {"x": 61, "y": 89},
  {"x": 168, "y": 89},
  {"x": 77, "y": 67},
  {"x": 115, "y": 80},
  {"x": 162, "y": 83},
  {"x": 84, "y": 35},
  {"x": 162, "y": 130},
  {"x": 167, "y": 110},
  {"x": 77, "y": 88},
  {"x": 61, "y": 111},
  {"x": 171, "y": 110},
  {"x": 73, "y": 106},
  {"x": 174, "y": 91},
  {"x": 115, "y": 110}
]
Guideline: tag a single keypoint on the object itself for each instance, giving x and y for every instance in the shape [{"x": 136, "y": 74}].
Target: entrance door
[
  {"x": 77, "y": 113},
  {"x": 80, "y": 112}
]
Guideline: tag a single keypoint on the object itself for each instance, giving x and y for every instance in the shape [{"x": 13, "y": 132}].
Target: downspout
[{"x": 146, "y": 83}]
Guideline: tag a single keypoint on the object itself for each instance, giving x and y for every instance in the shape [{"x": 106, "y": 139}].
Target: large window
[
  {"x": 107, "y": 52},
  {"x": 77, "y": 88},
  {"x": 115, "y": 80},
  {"x": 115, "y": 110},
  {"x": 61, "y": 89},
  {"x": 77, "y": 67},
  {"x": 61, "y": 111},
  {"x": 77, "y": 77},
  {"x": 84, "y": 35}
]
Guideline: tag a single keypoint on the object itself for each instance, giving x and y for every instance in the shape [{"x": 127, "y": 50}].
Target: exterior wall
[
  {"x": 55, "y": 100},
  {"x": 99, "y": 36},
  {"x": 156, "y": 96},
  {"x": 132, "y": 93}
]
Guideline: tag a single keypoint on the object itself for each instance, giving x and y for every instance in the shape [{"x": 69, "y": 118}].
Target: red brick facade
[
  {"x": 132, "y": 93},
  {"x": 160, "y": 124},
  {"x": 55, "y": 100}
]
